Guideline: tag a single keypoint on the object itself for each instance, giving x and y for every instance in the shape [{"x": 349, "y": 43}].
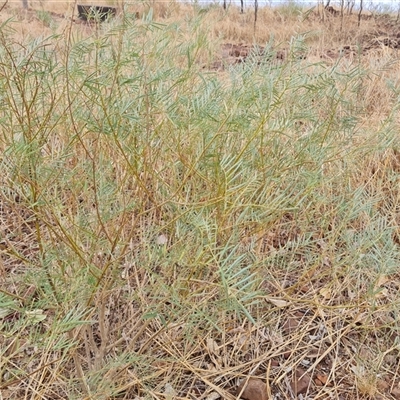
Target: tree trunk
[
  {"x": 255, "y": 14},
  {"x": 359, "y": 13},
  {"x": 25, "y": 4},
  {"x": 241, "y": 6},
  {"x": 4, "y": 4},
  {"x": 341, "y": 14}
]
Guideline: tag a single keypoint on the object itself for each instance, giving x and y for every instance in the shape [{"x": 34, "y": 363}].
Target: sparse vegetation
[{"x": 169, "y": 230}]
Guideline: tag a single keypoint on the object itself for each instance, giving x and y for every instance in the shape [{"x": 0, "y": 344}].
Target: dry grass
[{"x": 168, "y": 231}]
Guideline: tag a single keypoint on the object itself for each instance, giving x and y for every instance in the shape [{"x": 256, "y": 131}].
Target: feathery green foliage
[{"x": 148, "y": 204}]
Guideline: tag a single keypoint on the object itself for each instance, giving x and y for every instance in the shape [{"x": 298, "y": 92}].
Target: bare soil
[{"x": 313, "y": 345}]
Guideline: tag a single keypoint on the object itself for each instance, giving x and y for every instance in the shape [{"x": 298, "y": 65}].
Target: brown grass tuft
[{"x": 188, "y": 205}]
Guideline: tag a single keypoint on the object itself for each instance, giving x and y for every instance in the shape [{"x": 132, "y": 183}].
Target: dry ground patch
[{"x": 187, "y": 203}]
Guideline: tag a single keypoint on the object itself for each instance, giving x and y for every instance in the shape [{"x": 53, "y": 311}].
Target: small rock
[
  {"x": 162, "y": 240},
  {"x": 255, "y": 389},
  {"x": 213, "y": 396},
  {"x": 383, "y": 385},
  {"x": 300, "y": 383},
  {"x": 395, "y": 393}
]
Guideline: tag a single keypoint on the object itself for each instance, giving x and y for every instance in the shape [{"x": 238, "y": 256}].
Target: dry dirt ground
[
  {"x": 384, "y": 34},
  {"x": 377, "y": 33},
  {"x": 311, "y": 336}
]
